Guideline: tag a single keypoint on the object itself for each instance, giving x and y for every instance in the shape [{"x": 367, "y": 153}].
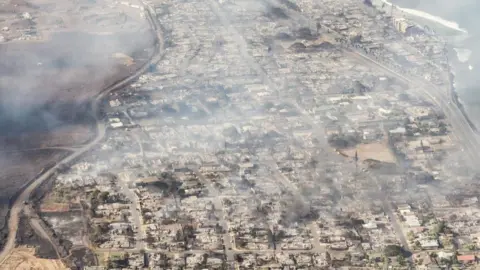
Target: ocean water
[{"x": 465, "y": 41}]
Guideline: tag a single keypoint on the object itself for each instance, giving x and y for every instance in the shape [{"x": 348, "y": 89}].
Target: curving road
[
  {"x": 18, "y": 205},
  {"x": 441, "y": 98},
  {"x": 462, "y": 130}
]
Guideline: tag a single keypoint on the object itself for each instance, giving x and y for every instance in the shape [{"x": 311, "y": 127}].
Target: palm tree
[{"x": 433, "y": 256}]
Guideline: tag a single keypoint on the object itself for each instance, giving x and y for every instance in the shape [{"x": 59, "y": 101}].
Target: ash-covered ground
[
  {"x": 27, "y": 236},
  {"x": 17, "y": 169},
  {"x": 48, "y": 85},
  {"x": 54, "y": 62}
]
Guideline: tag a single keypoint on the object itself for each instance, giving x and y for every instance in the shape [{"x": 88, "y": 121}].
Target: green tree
[
  {"x": 103, "y": 197},
  {"x": 470, "y": 247},
  {"x": 95, "y": 193},
  {"x": 433, "y": 256},
  {"x": 418, "y": 244},
  {"x": 393, "y": 250},
  {"x": 410, "y": 236},
  {"x": 455, "y": 258},
  {"x": 445, "y": 261},
  {"x": 401, "y": 260},
  {"x": 439, "y": 228},
  {"x": 110, "y": 264}
]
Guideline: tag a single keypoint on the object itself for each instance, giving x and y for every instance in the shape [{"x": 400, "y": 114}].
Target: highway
[
  {"x": 18, "y": 204},
  {"x": 36, "y": 224},
  {"x": 430, "y": 92},
  {"x": 441, "y": 98},
  {"x": 461, "y": 129}
]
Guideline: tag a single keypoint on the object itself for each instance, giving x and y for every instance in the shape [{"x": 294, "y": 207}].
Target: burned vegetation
[
  {"x": 27, "y": 236},
  {"x": 48, "y": 86}
]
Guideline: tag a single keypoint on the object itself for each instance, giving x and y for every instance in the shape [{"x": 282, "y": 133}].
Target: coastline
[
  {"x": 427, "y": 16},
  {"x": 456, "y": 99},
  {"x": 454, "y": 35}
]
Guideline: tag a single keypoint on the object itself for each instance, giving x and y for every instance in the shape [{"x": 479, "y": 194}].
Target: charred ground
[
  {"x": 17, "y": 170},
  {"x": 46, "y": 87}
]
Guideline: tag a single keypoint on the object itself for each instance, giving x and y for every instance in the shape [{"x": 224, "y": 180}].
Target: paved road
[
  {"x": 228, "y": 241},
  {"x": 135, "y": 212},
  {"x": 437, "y": 96},
  {"x": 18, "y": 205},
  {"x": 242, "y": 45},
  {"x": 263, "y": 251},
  {"x": 442, "y": 98},
  {"x": 462, "y": 131},
  {"x": 37, "y": 226}
]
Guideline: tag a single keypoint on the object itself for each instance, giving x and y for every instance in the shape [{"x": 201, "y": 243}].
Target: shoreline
[
  {"x": 423, "y": 15},
  {"x": 456, "y": 99},
  {"x": 417, "y": 16}
]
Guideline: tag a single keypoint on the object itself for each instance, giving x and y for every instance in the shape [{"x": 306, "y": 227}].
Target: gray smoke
[{"x": 64, "y": 69}]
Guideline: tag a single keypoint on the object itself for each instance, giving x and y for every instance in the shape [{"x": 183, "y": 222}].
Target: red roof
[
  {"x": 464, "y": 258},
  {"x": 419, "y": 229}
]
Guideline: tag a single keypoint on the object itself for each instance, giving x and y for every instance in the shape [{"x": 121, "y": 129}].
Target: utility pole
[
  {"x": 356, "y": 161},
  {"x": 274, "y": 248}
]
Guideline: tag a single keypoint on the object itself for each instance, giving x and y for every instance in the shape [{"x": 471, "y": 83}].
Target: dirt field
[
  {"x": 59, "y": 200},
  {"x": 378, "y": 151},
  {"x": 22, "y": 258},
  {"x": 54, "y": 207}
]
